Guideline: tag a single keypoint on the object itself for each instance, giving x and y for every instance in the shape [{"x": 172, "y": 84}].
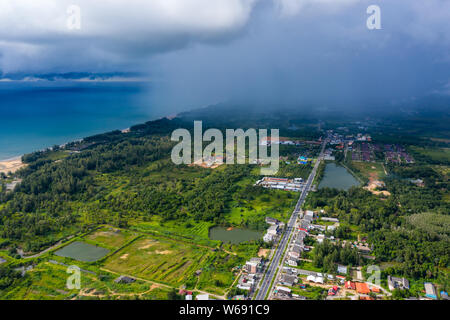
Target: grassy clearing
[
  {"x": 110, "y": 238},
  {"x": 432, "y": 223},
  {"x": 48, "y": 281},
  {"x": 216, "y": 276},
  {"x": 274, "y": 203},
  {"x": 436, "y": 154},
  {"x": 370, "y": 170},
  {"x": 160, "y": 260}
]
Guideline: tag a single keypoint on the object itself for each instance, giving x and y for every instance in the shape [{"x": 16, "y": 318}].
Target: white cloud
[
  {"x": 122, "y": 34},
  {"x": 293, "y": 7},
  {"x": 112, "y": 28}
]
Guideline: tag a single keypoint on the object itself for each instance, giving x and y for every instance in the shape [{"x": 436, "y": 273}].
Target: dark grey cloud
[
  {"x": 320, "y": 53},
  {"x": 205, "y": 51}
]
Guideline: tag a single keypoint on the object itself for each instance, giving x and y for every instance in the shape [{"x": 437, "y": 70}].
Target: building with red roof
[
  {"x": 350, "y": 285},
  {"x": 362, "y": 288}
]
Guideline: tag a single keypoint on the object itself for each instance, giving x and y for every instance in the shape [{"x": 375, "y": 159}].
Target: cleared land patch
[
  {"x": 160, "y": 260},
  {"x": 110, "y": 237}
]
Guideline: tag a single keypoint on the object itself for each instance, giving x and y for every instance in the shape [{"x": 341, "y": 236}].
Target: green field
[
  {"x": 436, "y": 154},
  {"x": 274, "y": 203},
  {"x": 370, "y": 170},
  {"x": 161, "y": 260},
  {"x": 48, "y": 281},
  {"x": 111, "y": 238}
]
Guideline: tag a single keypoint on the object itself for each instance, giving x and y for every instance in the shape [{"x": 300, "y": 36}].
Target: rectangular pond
[
  {"x": 82, "y": 251},
  {"x": 337, "y": 177},
  {"x": 234, "y": 235}
]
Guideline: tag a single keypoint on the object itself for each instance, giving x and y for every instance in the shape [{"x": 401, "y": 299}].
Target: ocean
[{"x": 37, "y": 116}]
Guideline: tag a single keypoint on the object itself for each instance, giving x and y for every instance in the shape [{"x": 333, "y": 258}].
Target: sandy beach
[{"x": 12, "y": 164}]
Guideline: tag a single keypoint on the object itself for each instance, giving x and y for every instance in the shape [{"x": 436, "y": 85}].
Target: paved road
[{"x": 277, "y": 257}]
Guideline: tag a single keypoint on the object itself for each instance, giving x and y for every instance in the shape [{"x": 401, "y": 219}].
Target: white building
[
  {"x": 273, "y": 230},
  {"x": 268, "y": 238}
]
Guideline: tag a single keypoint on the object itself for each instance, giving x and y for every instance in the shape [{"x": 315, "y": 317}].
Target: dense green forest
[{"x": 394, "y": 238}]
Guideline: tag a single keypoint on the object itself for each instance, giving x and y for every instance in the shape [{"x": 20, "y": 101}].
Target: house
[
  {"x": 299, "y": 241},
  {"x": 430, "y": 290},
  {"x": 317, "y": 279},
  {"x": 253, "y": 266},
  {"x": 350, "y": 285},
  {"x": 342, "y": 269},
  {"x": 304, "y": 225},
  {"x": 329, "y": 219},
  {"x": 188, "y": 297},
  {"x": 288, "y": 280},
  {"x": 320, "y": 238},
  {"x": 309, "y": 215},
  {"x": 318, "y": 227},
  {"x": 363, "y": 248},
  {"x": 332, "y": 291},
  {"x": 366, "y": 298},
  {"x": 11, "y": 186},
  {"x": 283, "y": 290},
  {"x": 296, "y": 251},
  {"x": 362, "y": 288},
  {"x": 246, "y": 282},
  {"x": 292, "y": 262},
  {"x": 311, "y": 278},
  {"x": 202, "y": 297},
  {"x": 268, "y": 238},
  {"x": 124, "y": 279},
  {"x": 375, "y": 289},
  {"x": 397, "y": 283},
  {"x": 271, "y": 221},
  {"x": 273, "y": 230}
]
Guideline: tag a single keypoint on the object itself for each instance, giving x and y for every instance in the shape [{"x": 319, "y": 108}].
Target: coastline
[{"x": 11, "y": 164}]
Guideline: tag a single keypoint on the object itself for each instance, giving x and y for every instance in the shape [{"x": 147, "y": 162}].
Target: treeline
[
  {"x": 394, "y": 239},
  {"x": 328, "y": 255},
  {"x": 41, "y": 203}
]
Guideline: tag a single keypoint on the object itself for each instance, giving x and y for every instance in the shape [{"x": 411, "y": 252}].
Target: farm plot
[
  {"x": 111, "y": 238},
  {"x": 160, "y": 260},
  {"x": 48, "y": 281}
]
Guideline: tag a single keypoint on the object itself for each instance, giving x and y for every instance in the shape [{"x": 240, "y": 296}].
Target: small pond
[
  {"x": 234, "y": 235},
  {"x": 82, "y": 251}
]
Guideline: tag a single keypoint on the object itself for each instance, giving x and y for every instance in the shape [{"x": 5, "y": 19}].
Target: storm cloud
[{"x": 204, "y": 51}]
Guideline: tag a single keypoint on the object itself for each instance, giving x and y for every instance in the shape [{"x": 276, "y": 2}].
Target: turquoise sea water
[{"x": 34, "y": 117}]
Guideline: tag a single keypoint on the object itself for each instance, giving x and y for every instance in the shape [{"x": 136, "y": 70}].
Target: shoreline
[
  {"x": 11, "y": 165},
  {"x": 11, "y": 160}
]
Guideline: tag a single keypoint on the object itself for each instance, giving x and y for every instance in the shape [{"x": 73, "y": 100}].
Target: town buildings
[
  {"x": 430, "y": 290},
  {"x": 397, "y": 283}
]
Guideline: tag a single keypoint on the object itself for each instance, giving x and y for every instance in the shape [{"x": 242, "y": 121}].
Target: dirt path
[{"x": 161, "y": 284}]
